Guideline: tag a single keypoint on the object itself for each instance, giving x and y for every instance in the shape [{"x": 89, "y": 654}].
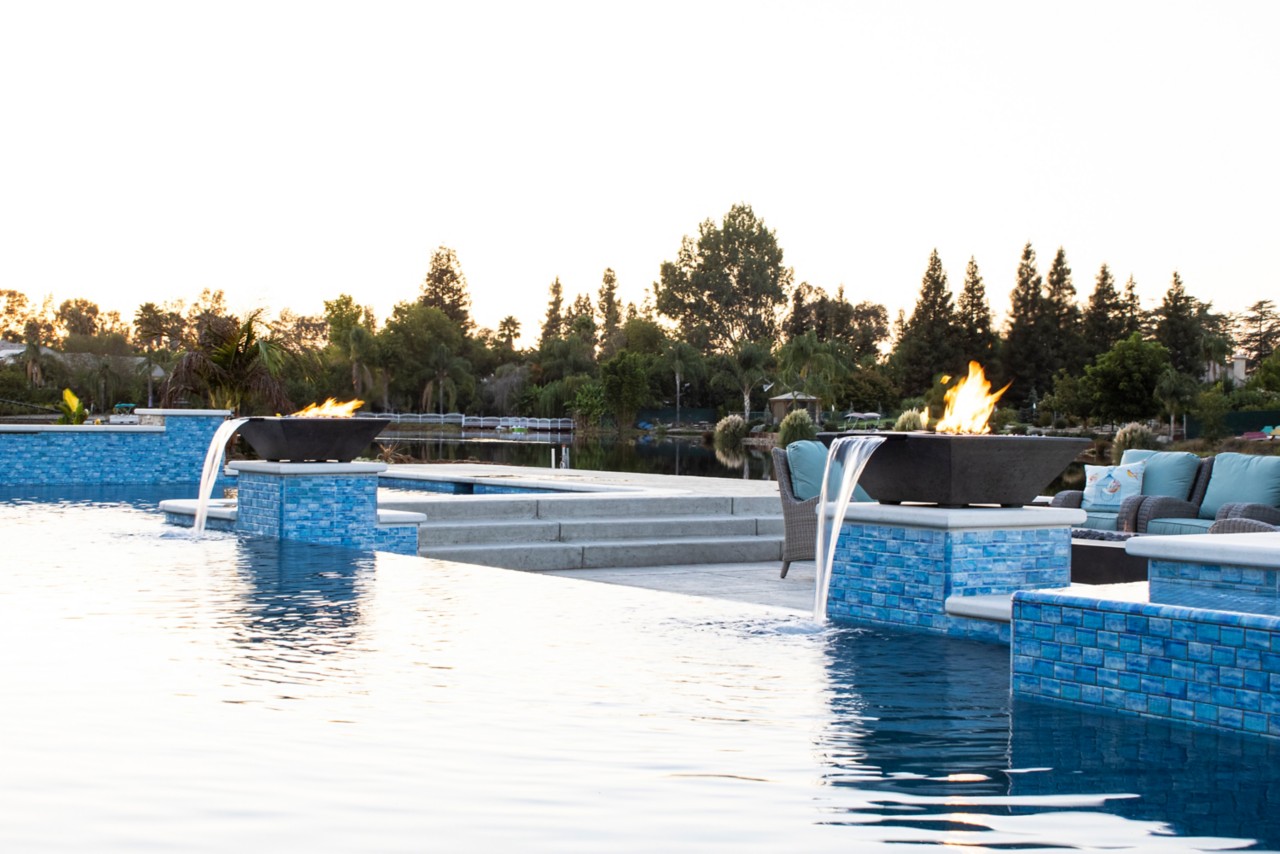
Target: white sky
[{"x": 287, "y": 152}]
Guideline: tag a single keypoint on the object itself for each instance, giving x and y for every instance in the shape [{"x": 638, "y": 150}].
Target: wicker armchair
[
  {"x": 799, "y": 518},
  {"x": 1241, "y": 525},
  {"x": 1165, "y": 507},
  {"x": 1126, "y": 518}
]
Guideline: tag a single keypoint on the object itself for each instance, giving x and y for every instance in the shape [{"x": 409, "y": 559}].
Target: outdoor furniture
[
  {"x": 1166, "y": 474},
  {"x": 799, "y": 518},
  {"x": 1242, "y": 525},
  {"x": 799, "y": 469},
  {"x": 1241, "y": 486}
]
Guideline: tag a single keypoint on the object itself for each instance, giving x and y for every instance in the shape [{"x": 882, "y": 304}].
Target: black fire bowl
[
  {"x": 956, "y": 471},
  {"x": 311, "y": 439}
]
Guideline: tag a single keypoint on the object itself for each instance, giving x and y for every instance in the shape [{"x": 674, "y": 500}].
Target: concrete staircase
[{"x": 596, "y": 530}]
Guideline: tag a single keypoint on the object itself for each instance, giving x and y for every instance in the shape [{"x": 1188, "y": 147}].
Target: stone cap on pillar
[
  {"x": 959, "y": 518},
  {"x": 291, "y": 469}
]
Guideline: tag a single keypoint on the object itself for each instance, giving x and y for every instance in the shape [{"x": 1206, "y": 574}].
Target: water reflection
[
  {"x": 926, "y": 730},
  {"x": 1201, "y": 783}
]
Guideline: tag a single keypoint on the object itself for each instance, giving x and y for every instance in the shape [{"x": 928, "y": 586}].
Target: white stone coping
[
  {"x": 512, "y": 481},
  {"x": 225, "y": 509},
  {"x": 81, "y": 428},
  {"x": 219, "y": 508},
  {"x": 400, "y": 517},
  {"x": 998, "y": 607},
  {"x": 960, "y": 518},
  {"x": 203, "y": 413},
  {"x": 1262, "y": 550},
  {"x": 293, "y": 469}
]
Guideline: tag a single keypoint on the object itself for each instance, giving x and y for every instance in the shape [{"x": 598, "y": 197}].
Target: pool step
[
  {"x": 440, "y": 534},
  {"x": 577, "y": 506},
  {"x": 599, "y": 554}
]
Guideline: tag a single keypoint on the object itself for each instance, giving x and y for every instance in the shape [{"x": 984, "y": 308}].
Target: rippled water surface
[{"x": 172, "y": 694}]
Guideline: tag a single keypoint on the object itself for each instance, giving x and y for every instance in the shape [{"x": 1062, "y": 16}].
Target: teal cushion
[
  {"x": 1241, "y": 477},
  {"x": 807, "y": 460},
  {"x": 1170, "y": 473},
  {"x": 1100, "y": 520},
  {"x": 1106, "y": 487},
  {"x": 1179, "y": 526}
]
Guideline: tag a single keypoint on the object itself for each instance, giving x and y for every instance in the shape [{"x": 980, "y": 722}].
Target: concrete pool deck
[{"x": 752, "y": 581}]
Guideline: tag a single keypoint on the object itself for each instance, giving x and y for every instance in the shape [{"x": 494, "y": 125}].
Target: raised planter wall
[{"x": 168, "y": 446}]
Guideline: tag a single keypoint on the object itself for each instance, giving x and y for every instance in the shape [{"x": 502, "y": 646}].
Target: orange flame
[
  {"x": 970, "y": 404},
  {"x": 329, "y": 409}
]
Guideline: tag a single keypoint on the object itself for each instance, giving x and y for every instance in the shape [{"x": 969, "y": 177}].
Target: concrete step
[
  {"x": 438, "y": 507},
  {"x": 657, "y": 528},
  {"x": 455, "y": 533},
  {"x": 592, "y": 554}
]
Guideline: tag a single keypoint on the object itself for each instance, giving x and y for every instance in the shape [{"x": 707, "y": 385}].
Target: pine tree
[
  {"x": 445, "y": 288},
  {"x": 1259, "y": 331},
  {"x": 1131, "y": 312},
  {"x": 1059, "y": 323},
  {"x": 610, "y": 312},
  {"x": 581, "y": 320},
  {"x": 1178, "y": 328},
  {"x": 928, "y": 344},
  {"x": 553, "y": 326},
  {"x": 1104, "y": 318},
  {"x": 973, "y": 318},
  {"x": 1024, "y": 354}
]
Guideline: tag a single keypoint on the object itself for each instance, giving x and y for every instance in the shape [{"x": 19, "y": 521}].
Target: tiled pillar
[
  {"x": 898, "y": 565},
  {"x": 325, "y": 503}
]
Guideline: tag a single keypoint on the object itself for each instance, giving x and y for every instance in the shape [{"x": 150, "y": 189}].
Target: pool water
[{"x": 204, "y": 695}]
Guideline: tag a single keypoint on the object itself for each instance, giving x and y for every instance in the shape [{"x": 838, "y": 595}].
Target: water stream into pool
[
  {"x": 845, "y": 461},
  {"x": 212, "y": 468}
]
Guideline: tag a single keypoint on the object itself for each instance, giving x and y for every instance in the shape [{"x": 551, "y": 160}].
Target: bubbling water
[
  {"x": 848, "y": 456},
  {"x": 212, "y": 465}
]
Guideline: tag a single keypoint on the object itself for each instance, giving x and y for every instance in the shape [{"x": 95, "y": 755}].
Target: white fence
[{"x": 477, "y": 422}]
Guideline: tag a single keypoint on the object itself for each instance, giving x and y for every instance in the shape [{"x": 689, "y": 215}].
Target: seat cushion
[
  {"x": 1179, "y": 526},
  {"x": 807, "y": 460},
  {"x": 1106, "y": 487},
  {"x": 1241, "y": 477},
  {"x": 1100, "y": 520},
  {"x": 1170, "y": 473}
]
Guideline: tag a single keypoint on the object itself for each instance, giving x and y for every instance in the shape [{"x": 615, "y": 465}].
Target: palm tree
[{"x": 232, "y": 367}]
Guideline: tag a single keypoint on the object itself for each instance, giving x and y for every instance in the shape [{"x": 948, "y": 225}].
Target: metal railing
[{"x": 477, "y": 422}]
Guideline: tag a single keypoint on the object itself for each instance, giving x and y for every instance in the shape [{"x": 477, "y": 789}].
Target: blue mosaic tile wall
[
  {"x": 902, "y": 576},
  {"x": 81, "y": 457},
  {"x": 1209, "y": 668},
  {"x": 1250, "y": 589},
  {"x": 327, "y": 509}
]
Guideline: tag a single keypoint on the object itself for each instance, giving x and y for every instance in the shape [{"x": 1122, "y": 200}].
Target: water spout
[
  {"x": 845, "y": 461},
  {"x": 212, "y": 467}
]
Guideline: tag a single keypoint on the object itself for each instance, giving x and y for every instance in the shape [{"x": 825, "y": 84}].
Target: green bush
[
  {"x": 909, "y": 420},
  {"x": 798, "y": 425},
  {"x": 1132, "y": 435}
]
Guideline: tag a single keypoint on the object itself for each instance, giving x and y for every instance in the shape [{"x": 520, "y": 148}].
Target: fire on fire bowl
[
  {"x": 311, "y": 439},
  {"x": 954, "y": 471}
]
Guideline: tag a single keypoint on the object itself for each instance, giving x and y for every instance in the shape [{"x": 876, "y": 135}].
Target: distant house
[{"x": 782, "y": 404}]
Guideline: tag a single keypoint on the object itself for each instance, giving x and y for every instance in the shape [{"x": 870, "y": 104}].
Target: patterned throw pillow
[{"x": 1106, "y": 487}]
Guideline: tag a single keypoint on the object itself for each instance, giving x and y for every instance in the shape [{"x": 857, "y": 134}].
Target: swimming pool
[{"x": 205, "y": 695}]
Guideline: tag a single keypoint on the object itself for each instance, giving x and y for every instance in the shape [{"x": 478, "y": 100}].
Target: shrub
[
  {"x": 1132, "y": 435},
  {"x": 730, "y": 432},
  {"x": 909, "y": 420},
  {"x": 798, "y": 425}
]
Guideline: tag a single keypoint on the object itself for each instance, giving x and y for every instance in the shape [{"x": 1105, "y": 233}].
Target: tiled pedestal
[{"x": 914, "y": 566}]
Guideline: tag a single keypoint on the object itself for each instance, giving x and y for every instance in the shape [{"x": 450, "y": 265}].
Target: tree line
[{"x": 723, "y": 327}]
